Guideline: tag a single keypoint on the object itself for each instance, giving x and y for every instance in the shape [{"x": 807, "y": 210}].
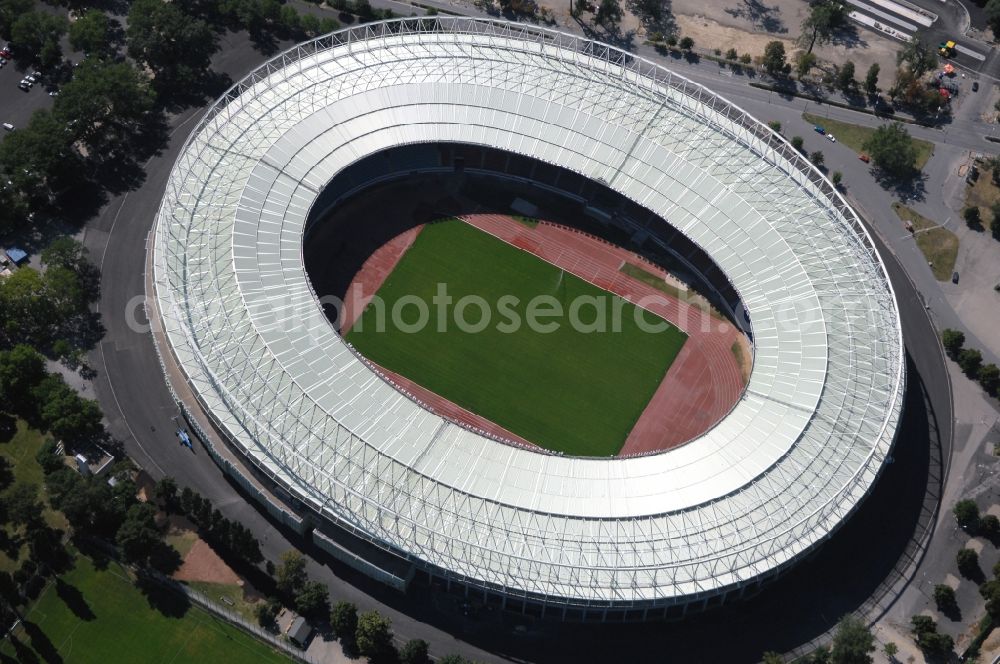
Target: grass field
[
  {"x": 983, "y": 194},
  {"x": 567, "y": 390},
  {"x": 854, "y": 136},
  {"x": 939, "y": 245},
  {"x": 98, "y": 616},
  {"x": 20, "y": 452}
]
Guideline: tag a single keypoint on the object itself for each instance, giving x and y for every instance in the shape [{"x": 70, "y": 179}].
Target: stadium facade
[{"x": 579, "y": 537}]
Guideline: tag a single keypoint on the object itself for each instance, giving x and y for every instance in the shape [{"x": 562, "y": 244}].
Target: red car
[
  {"x": 863, "y": 157},
  {"x": 5, "y": 53}
]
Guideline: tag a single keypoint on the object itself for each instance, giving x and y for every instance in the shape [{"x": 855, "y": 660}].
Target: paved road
[{"x": 139, "y": 407}]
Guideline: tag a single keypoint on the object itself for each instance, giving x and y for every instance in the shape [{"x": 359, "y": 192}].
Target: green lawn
[
  {"x": 939, "y": 245},
  {"x": 854, "y": 136},
  {"x": 566, "y": 390},
  {"x": 100, "y": 616},
  {"x": 20, "y": 452}
]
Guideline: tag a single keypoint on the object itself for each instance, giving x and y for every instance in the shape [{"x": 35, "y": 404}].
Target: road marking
[
  {"x": 924, "y": 19},
  {"x": 100, "y": 346},
  {"x": 869, "y": 22},
  {"x": 969, "y": 52},
  {"x": 884, "y": 15}
]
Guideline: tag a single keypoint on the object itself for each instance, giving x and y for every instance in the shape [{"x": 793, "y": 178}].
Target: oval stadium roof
[{"x": 782, "y": 471}]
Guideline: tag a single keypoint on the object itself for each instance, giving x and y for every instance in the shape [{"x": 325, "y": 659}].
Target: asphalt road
[{"x": 140, "y": 410}]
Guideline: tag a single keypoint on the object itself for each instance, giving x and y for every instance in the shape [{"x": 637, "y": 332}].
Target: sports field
[
  {"x": 565, "y": 389},
  {"x": 97, "y": 615}
]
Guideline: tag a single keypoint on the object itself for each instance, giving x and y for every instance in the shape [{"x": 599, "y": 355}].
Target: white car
[
  {"x": 30, "y": 79},
  {"x": 832, "y": 138},
  {"x": 8, "y": 126},
  {"x": 25, "y": 82}
]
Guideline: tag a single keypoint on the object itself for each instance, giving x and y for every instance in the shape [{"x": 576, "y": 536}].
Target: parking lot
[{"x": 16, "y": 106}]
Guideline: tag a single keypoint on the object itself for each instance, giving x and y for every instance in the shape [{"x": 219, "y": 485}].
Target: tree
[
  {"x": 313, "y": 600},
  {"x": 871, "y": 80},
  {"x": 266, "y": 612},
  {"x": 106, "y": 104},
  {"x": 774, "y": 60},
  {"x": 291, "y": 575},
  {"x": 966, "y": 514},
  {"x": 176, "y": 46},
  {"x": 944, "y": 598},
  {"x": 845, "y": 78},
  {"x": 927, "y": 637},
  {"x": 775, "y": 126},
  {"x": 824, "y": 19},
  {"x": 92, "y": 33},
  {"x": 797, "y": 143},
  {"x": 37, "y": 160},
  {"x": 609, "y": 14},
  {"x": 953, "y": 341},
  {"x": 414, "y": 651},
  {"x": 21, "y": 503},
  {"x": 64, "y": 251},
  {"x": 972, "y": 217},
  {"x": 771, "y": 657},
  {"x": 890, "y": 649},
  {"x": 374, "y": 634},
  {"x": 918, "y": 58},
  {"x": 852, "y": 642},
  {"x": 21, "y": 369},
  {"x": 49, "y": 458},
  {"x": 804, "y": 62},
  {"x": 892, "y": 149},
  {"x": 817, "y": 158},
  {"x": 970, "y": 360},
  {"x": 731, "y": 54},
  {"x": 344, "y": 620},
  {"x": 989, "y": 378},
  {"x": 138, "y": 535},
  {"x": 686, "y": 44},
  {"x": 989, "y": 526},
  {"x": 837, "y": 177},
  {"x": 67, "y": 415},
  {"x": 992, "y": 10},
  {"x": 990, "y": 591},
  {"x": 968, "y": 563},
  {"x": 165, "y": 492},
  {"x": 38, "y": 33}
]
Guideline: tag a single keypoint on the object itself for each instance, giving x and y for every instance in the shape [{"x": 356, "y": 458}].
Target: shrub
[
  {"x": 944, "y": 597},
  {"x": 967, "y": 514},
  {"x": 968, "y": 563},
  {"x": 953, "y": 340},
  {"x": 972, "y": 217},
  {"x": 970, "y": 360},
  {"x": 797, "y": 143}
]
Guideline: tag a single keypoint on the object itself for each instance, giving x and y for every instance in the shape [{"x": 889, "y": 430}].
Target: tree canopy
[
  {"x": 892, "y": 150},
  {"x": 853, "y": 643},
  {"x": 93, "y": 33},
  {"x": 825, "y": 17},
  {"x": 774, "y": 60},
  {"x": 917, "y": 56},
  {"x": 175, "y": 45},
  {"x": 37, "y": 35}
]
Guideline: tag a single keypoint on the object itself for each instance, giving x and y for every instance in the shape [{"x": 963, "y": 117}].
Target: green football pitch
[
  {"x": 570, "y": 390},
  {"x": 98, "y": 615}
]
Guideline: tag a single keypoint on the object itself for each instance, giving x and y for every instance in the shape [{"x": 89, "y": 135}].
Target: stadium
[{"x": 553, "y": 120}]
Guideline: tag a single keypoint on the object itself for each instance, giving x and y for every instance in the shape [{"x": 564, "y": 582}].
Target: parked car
[
  {"x": 8, "y": 126},
  {"x": 24, "y": 85},
  {"x": 975, "y": 86},
  {"x": 31, "y": 79},
  {"x": 831, "y": 138},
  {"x": 954, "y": 277},
  {"x": 865, "y": 158},
  {"x": 819, "y": 130}
]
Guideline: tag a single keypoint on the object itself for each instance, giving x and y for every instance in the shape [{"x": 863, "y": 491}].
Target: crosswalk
[{"x": 901, "y": 20}]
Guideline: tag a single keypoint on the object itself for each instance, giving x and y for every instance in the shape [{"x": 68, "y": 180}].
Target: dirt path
[{"x": 203, "y": 564}]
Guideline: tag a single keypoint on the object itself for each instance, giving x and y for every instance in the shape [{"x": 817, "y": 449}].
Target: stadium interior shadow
[{"x": 340, "y": 241}]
